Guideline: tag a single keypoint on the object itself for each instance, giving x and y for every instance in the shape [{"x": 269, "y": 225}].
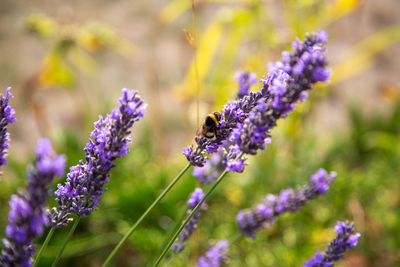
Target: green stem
[
  {"x": 235, "y": 238},
  {"x": 132, "y": 229},
  {"x": 182, "y": 217},
  {"x": 66, "y": 241},
  {"x": 169, "y": 260},
  {"x": 43, "y": 247},
  {"x": 172, "y": 240}
]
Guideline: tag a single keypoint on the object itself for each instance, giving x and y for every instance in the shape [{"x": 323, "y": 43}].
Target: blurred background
[{"x": 67, "y": 62}]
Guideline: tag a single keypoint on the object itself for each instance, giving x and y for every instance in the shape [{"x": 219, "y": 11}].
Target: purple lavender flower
[
  {"x": 27, "y": 214},
  {"x": 345, "y": 240},
  {"x": 189, "y": 229},
  {"x": 109, "y": 140},
  {"x": 285, "y": 86},
  {"x": 6, "y": 117},
  {"x": 232, "y": 161},
  {"x": 234, "y": 111},
  {"x": 215, "y": 256},
  {"x": 211, "y": 169},
  {"x": 248, "y": 120},
  {"x": 245, "y": 80},
  {"x": 196, "y": 155},
  {"x": 265, "y": 214}
]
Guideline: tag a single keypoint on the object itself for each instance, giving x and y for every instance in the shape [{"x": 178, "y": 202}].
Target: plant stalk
[
  {"x": 173, "y": 238},
  {"x": 132, "y": 229},
  {"x": 71, "y": 232},
  {"x": 43, "y": 247}
]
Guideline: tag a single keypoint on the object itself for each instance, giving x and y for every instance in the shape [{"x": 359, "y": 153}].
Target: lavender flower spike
[
  {"x": 211, "y": 169},
  {"x": 345, "y": 240},
  {"x": 265, "y": 214},
  {"x": 215, "y": 256},
  {"x": 287, "y": 84},
  {"x": 109, "y": 140},
  {"x": 246, "y": 122},
  {"x": 233, "y": 112},
  {"x": 27, "y": 214},
  {"x": 6, "y": 117},
  {"x": 189, "y": 229}
]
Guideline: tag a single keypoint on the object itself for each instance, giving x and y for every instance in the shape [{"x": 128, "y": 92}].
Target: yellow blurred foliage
[
  {"x": 173, "y": 10},
  {"x": 322, "y": 235},
  {"x": 41, "y": 24},
  {"x": 361, "y": 56},
  {"x": 96, "y": 37},
  {"x": 390, "y": 94},
  {"x": 340, "y": 8},
  {"x": 55, "y": 71},
  {"x": 177, "y": 7},
  {"x": 71, "y": 47},
  {"x": 234, "y": 194},
  {"x": 209, "y": 42}
]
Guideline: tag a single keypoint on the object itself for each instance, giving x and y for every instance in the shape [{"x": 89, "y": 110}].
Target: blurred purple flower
[
  {"x": 189, "y": 229},
  {"x": 232, "y": 161},
  {"x": 265, "y": 214},
  {"x": 6, "y": 117},
  {"x": 215, "y": 256},
  {"x": 109, "y": 141},
  {"x": 245, "y": 80},
  {"x": 211, "y": 169},
  {"x": 345, "y": 240},
  {"x": 27, "y": 214}
]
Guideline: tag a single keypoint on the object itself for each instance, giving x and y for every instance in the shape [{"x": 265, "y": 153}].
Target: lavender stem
[
  {"x": 133, "y": 228},
  {"x": 43, "y": 247},
  {"x": 71, "y": 232},
  {"x": 172, "y": 240}
]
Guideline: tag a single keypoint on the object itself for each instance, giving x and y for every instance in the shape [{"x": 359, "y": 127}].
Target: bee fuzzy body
[{"x": 210, "y": 125}]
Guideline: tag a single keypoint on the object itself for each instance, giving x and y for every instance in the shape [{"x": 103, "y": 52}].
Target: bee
[{"x": 210, "y": 125}]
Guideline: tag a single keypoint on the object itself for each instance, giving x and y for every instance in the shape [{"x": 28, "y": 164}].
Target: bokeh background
[{"x": 68, "y": 60}]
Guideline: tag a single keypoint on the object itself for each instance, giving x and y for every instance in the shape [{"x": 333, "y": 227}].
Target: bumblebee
[{"x": 210, "y": 125}]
